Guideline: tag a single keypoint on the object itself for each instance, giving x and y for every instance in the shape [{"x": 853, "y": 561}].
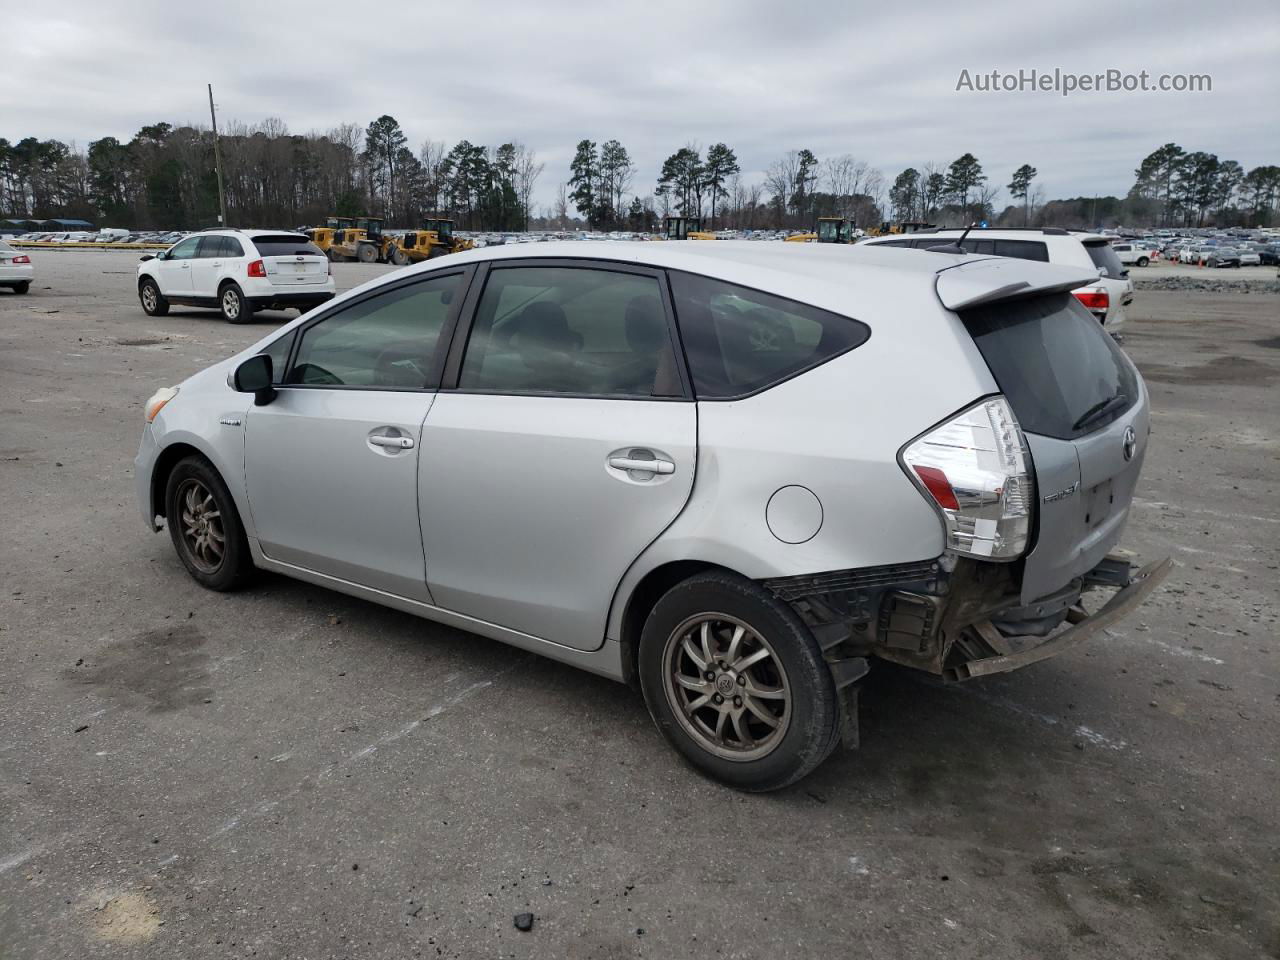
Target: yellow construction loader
[
  {"x": 685, "y": 228},
  {"x": 434, "y": 238},
  {"x": 353, "y": 238}
]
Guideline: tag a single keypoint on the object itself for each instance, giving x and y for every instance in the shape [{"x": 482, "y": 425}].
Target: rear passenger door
[
  {"x": 206, "y": 268},
  {"x": 567, "y": 444}
]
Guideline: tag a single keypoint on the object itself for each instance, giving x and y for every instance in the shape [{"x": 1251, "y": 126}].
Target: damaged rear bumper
[
  {"x": 1082, "y": 626},
  {"x": 959, "y": 618}
]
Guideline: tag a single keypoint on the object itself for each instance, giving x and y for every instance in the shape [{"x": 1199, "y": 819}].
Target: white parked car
[
  {"x": 1133, "y": 254},
  {"x": 730, "y": 473},
  {"x": 238, "y": 272},
  {"x": 1107, "y": 296},
  {"x": 16, "y": 270}
]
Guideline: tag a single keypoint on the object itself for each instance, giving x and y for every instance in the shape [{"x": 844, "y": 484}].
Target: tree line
[{"x": 164, "y": 178}]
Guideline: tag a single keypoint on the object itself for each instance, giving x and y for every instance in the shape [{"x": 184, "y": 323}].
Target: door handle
[
  {"x": 661, "y": 467},
  {"x": 395, "y": 443}
]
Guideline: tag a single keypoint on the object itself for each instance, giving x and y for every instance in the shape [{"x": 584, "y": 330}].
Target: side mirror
[
  {"x": 148, "y": 256},
  {"x": 254, "y": 376}
]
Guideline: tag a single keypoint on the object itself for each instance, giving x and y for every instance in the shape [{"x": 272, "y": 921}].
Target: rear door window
[
  {"x": 1023, "y": 250},
  {"x": 571, "y": 330},
  {"x": 1062, "y": 373},
  {"x": 1104, "y": 257},
  {"x": 740, "y": 341},
  {"x": 286, "y": 245}
]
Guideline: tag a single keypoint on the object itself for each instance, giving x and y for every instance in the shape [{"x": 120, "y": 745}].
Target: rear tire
[
  {"x": 153, "y": 303},
  {"x": 1143, "y": 261},
  {"x": 22, "y": 287},
  {"x": 235, "y": 306},
  {"x": 737, "y": 684},
  {"x": 437, "y": 251},
  {"x": 205, "y": 526}
]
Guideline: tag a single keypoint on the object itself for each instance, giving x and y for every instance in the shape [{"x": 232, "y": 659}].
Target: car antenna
[{"x": 956, "y": 247}]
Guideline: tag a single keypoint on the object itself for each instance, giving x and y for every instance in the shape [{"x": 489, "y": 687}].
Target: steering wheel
[{"x": 314, "y": 373}]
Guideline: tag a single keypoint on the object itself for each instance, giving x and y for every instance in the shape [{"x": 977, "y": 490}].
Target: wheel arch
[
  {"x": 641, "y": 600},
  {"x": 144, "y": 277},
  {"x": 167, "y": 459}
]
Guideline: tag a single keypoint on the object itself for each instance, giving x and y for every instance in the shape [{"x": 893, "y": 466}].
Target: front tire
[
  {"x": 235, "y": 307},
  {"x": 366, "y": 253},
  {"x": 153, "y": 302},
  {"x": 399, "y": 257},
  {"x": 205, "y": 526},
  {"x": 737, "y": 684}
]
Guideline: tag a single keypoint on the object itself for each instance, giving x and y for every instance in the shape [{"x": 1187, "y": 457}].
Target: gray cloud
[{"x": 877, "y": 81}]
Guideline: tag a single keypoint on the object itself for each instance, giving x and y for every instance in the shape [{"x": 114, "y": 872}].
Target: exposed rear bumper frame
[{"x": 1083, "y": 626}]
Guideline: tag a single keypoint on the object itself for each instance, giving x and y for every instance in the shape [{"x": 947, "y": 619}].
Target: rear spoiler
[{"x": 1005, "y": 278}]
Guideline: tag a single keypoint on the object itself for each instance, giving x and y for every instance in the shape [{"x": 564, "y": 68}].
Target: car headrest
[{"x": 645, "y": 328}]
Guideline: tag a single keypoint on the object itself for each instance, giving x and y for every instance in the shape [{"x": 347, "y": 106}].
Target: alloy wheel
[
  {"x": 202, "y": 531},
  {"x": 148, "y": 297},
  {"x": 230, "y": 304},
  {"x": 726, "y": 687}
]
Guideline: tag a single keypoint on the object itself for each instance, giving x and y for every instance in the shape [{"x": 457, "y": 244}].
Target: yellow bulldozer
[
  {"x": 433, "y": 238},
  {"x": 685, "y": 228}
]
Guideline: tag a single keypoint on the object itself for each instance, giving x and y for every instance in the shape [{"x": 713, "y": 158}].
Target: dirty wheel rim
[
  {"x": 203, "y": 534},
  {"x": 149, "y": 297},
  {"x": 726, "y": 686},
  {"x": 231, "y": 304}
]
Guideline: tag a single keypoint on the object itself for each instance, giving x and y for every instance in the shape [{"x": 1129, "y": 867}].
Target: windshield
[
  {"x": 828, "y": 231},
  {"x": 1104, "y": 257},
  {"x": 1059, "y": 369},
  {"x": 286, "y": 245}
]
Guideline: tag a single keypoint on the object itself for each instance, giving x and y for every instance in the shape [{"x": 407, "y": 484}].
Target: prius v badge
[{"x": 1062, "y": 494}]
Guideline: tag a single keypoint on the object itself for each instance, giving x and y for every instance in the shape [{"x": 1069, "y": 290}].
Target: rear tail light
[
  {"x": 1093, "y": 299},
  {"x": 976, "y": 468},
  {"x": 257, "y": 269},
  {"x": 22, "y": 258}
]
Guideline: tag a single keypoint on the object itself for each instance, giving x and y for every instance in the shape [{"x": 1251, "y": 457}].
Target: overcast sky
[{"x": 877, "y": 80}]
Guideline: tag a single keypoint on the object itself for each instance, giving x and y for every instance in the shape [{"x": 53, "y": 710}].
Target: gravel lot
[{"x": 288, "y": 772}]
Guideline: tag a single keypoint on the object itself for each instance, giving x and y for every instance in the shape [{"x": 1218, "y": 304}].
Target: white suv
[
  {"x": 238, "y": 272},
  {"x": 1107, "y": 298}
]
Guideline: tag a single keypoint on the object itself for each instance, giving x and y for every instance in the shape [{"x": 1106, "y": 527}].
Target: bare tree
[
  {"x": 845, "y": 177},
  {"x": 527, "y": 169},
  {"x": 780, "y": 180},
  {"x": 431, "y": 154},
  {"x": 562, "y": 206}
]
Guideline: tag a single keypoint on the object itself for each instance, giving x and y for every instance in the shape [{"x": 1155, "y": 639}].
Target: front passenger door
[
  {"x": 331, "y": 464},
  {"x": 173, "y": 273}
]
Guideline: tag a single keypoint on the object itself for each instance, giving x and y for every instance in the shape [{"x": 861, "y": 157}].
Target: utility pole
[{"x": 217, "y": 162}]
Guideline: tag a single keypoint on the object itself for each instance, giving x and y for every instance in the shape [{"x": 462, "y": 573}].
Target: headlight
[{"x": 158, "y": 400}]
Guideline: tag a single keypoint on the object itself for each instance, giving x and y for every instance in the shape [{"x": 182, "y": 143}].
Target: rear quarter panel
[{"x": 835, "y": 430}]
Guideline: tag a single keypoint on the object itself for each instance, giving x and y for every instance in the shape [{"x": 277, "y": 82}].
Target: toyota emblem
[{"x": 1130, "y": 443}]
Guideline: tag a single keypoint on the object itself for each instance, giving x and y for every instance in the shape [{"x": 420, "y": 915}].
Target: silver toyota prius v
[{"x": 731, "y": 474}]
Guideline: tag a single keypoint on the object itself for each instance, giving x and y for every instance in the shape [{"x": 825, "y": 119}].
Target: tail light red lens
[
  {"x": 257, "y": 269},
  {"x": 1093, "y": 299},
  {"x": 22, "y": 258}
]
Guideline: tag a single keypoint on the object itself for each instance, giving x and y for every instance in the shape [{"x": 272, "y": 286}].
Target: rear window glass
[
  {"x": 739, "y": 341},
  {"x": 1104, "y": 257},
  {"x": 286, "y": 245},
  {"x": 1061, "y": 372}
]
